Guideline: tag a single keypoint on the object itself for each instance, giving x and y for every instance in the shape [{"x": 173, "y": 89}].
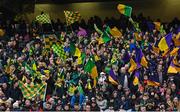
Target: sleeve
[{"x": 72, "y": 101}]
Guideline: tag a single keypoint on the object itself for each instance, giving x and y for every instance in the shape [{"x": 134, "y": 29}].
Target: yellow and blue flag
[
  {"x": 175, "y": 51},
  {"x": 152, "y": 83},
  {"x": 174, "y": 67},
  {"x": 133, "y": 66},
  {"x": 112, "y": 77},
  {"x": 165, "y": 42},
  {"x": 136, "y": 78},
  {"x": 140, "y": 58}
]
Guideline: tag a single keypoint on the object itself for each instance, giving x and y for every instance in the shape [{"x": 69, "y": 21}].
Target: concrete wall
[{"x": 166, "y": 10}]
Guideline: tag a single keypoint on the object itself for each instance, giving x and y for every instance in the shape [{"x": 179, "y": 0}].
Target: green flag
[
  {"x": 89, "y": 65},
  {"x": 107, "y": 69},
  {"x": 106, "y": 37},
  {"x": 162, "y": 31},
  {"x": 59, "y": 50},
  {"x": 29, "y": 70},
  {"x": 72, "y": 48},
  {"x": 80, "y": 89}
]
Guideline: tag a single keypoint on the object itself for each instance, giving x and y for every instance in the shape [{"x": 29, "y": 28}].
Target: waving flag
[
  {"x": 48, "y": 40},
  {"x": 165, "y": 42},
  {"x": 30, "y": 91},
  {"x": 133, "y": 66},
  {"x": 174, "y": 52},
  {"x": 43, "y": 18},
  {"x": 98, "y": 30},
  {"x": 157, "y": 25},
  {"x": 125, "y": 10},
  {"x": 82, "y": 58},
  {"x": 152, "y": 83},
  {"x": 112, "y": 77},
  {"x": 29, "y": 70},
  {"x": 91, "y": 68},
  {"x": 153, "y": 80},
  {"x": 174, "y": 67},
  {"x": 77, "y": 52},
  {"x": 137, "y": 36},
  {"x": 176, "y": 40},
  {"x": 161, "y": 30},
  {"x": 82, "y": 32},
  {"x": 136, "y": 78},
  {"x": 104, "y": 38},
  {"x": 59, "y": 50},
  {"x": 34, "y": 67},
  {"x": 115, "y": 32},
  {"x": 140, "y": 58},
  {"x": 74, "y": 50},
  {"x": 155, "y": 49},
  {"x": 71, "y": 17}
]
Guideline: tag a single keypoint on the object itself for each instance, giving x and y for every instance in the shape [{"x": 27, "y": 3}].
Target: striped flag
[
  {"x": 30, "y": 91},
  {"x": 71, "y": 17},
  {"x": 125, "y": 10},
  {"x": 43, "y": 18}
]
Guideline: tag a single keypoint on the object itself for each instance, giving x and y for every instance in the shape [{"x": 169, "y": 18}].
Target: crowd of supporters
[{"x": 24, "y": 42}]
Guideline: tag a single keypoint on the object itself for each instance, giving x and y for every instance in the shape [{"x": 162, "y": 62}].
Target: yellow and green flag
[
  {"x": 125, "y": 10},
  {"x": 71, "y": 17},
  {"x": 30, "y": 91},
  {"x": 43, "y": 18},
  {"x": 91, "y": 68}
]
